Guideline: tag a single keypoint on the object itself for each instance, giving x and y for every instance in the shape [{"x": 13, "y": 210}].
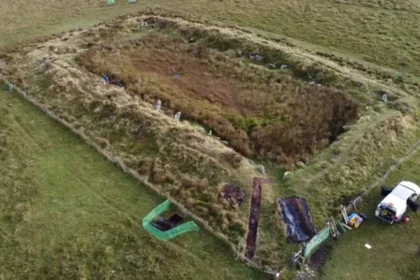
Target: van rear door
[{"x": 387, "y": 213}]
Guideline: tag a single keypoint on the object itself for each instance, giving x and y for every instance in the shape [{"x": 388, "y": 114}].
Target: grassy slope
[
  {"x": 394, "y": 253},
  {"x": 65, "y": 212},
  {"x": 383, "y": 32}
]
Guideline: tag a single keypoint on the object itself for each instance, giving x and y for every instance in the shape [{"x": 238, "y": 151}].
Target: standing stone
[
  {"x": 261, "y": 168},
  {"x": 158, "y": 104},
  {"x": 10, "y": 87},
  {"x": 300, "y": 164},
  {"x": 177, "y": 116},
  {"x": 286, "y": 174},
  {"x": 384, "y": 98}
]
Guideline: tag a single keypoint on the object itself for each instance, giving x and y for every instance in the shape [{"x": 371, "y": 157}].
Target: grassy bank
[
  {"x": 68, "y": 213},
  {"x": 382, "y": 32}
]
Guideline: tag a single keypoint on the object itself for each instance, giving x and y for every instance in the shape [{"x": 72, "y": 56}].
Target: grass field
[
  {"x": 67, "y": 213},
  {"x": 395, "y": 248},
  {"x": 381, "y": 32},
  {"x": 193, "y": 167}
]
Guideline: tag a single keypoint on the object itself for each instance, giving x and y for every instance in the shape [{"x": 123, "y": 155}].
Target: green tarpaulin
[
  {"x": 316, "y": 241},
  {"x": 172, "y": 233}
]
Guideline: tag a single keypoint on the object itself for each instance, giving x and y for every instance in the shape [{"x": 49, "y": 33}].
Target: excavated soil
[
  {"x": 233, "y": 194},
  {"x": 319, "y": 258},
  {"x": 254, "y": 216}
]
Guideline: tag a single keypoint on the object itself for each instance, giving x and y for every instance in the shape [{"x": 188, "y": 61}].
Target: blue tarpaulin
[{"x": 297, "y": 218}]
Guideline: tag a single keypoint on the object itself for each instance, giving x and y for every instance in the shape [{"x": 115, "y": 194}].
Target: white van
[{"x": 394, "y": 205}]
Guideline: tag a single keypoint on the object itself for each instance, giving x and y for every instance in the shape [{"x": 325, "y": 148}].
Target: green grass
[
  {"x": 382, "y": 32},
  {"x": 394, "y": 253},
  {"x": 67, "y": 213}
]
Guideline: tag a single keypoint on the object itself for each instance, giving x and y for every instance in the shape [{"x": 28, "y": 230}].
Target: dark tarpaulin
[{"x": 297, "y": 218}]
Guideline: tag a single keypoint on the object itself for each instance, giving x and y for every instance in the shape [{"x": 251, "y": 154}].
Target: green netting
[
  {"x": 111, "y": 2},
  {"x": 172, "y": 233},
  {"x": 316, "y": 241}
]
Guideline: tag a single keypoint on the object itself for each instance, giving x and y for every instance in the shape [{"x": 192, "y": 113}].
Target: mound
[
  {"x": 256, "y": 111},
  {"x": 273, "y": 113}
]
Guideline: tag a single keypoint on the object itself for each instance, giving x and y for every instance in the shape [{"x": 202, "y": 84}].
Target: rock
[
  {"x": 226, "y": 143},
  {"x": 177, "y": 116},
  {"x": 346, "y": 127},
  {"x": 2, "y": 64},
  {"x": 283, "y": 66},
  {"x": 261, "y": 168},
  {"x": 210, "y": 133},
  {"x": 158, "y": 104},
  {"x": 258, "y": 57},
  {"x": 239, "y": 53},
  {"x": 384, "y": 97},
  {"x": 251, "y": 161},
  {"x": 10, "y": 87},
  {"x": 287, "y": 174},
  {"x": 300, "y": 164},
  {"x": 271, "y": 65},
  {"x": 335, "y": 158}
]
